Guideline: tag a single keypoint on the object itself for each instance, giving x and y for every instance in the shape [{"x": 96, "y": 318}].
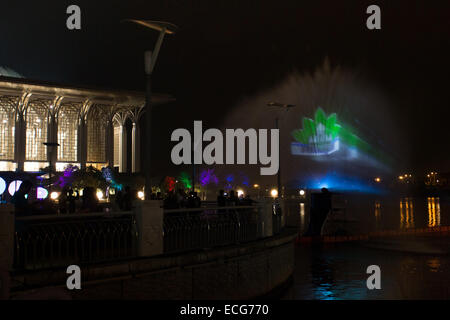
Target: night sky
[{"x": 226, "y": 50}]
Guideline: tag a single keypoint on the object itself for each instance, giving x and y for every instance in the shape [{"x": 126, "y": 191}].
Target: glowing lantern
[
  {"x": 240, "y": 193},
  {"x": 141, "y": 195},
  {"x": 54, "y": 195},
  {"x": 2, "y": 185},
  {"x": 41, "y": 193},
  {"x": 14, "y": 186},
  {"x": 99, "y": 194},
  {"x": 274, "y": 193}
]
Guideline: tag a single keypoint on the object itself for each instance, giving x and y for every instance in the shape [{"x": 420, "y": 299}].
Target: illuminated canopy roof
[
  {"x": 17, "y": 86},
  {"x": 85, "y": 122}
]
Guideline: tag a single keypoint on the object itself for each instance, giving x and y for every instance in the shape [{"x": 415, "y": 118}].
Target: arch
[
  {"x": 68, "y": 116},
  {"x": 96, "y": 134},
  {"x": 36, "y": 118},
  {"x": 7, "y": 126}
]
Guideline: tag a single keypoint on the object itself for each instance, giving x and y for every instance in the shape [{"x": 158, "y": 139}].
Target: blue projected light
[
  {"x": 2, "y": 186},
  {"x": 339, "y": 182}
]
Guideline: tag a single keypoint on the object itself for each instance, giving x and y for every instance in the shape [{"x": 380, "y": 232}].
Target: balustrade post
[
  {"x": 265, "y": 220},
  {"x": 6, "y": 247},
  {"x": 150, "y": 223},
  {"x": 283, "y": 206}
]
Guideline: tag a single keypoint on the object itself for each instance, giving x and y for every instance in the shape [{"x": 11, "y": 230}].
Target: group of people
[
  {"x": 69, "y": 201},
  {"x": 181, "y": 199},
  {"x": 125, "y": 199},
  {"x": 233, "y": 200}
]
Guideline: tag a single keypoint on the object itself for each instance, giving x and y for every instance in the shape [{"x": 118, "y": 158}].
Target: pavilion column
[
  {"x": 20, "y": 135},
  {"x": 135, "y": 148},
  {"x": 122, "y": 148},
  {"x": 109, "y": 136},
  {"x": 52, "y": 136},
  {"x": 82, "y": 143}
]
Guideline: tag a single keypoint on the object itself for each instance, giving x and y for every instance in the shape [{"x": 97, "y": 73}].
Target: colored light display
[
  {"x": 169, "y": 183},
  {"x": 207, "y": 177},
  {"x": 244, "y": 179},
  {"x": 336, "y": 181},
  {"x": 325, "y": 139},
  {"x": 68, "y": 176},
  {"x": 2, "y": 186},
  {"x": 324, "y": 136},
  {"x": 109, "y": 177},
  {"x": 185, "y": 179},
  {"x": 318, "y": 137}
]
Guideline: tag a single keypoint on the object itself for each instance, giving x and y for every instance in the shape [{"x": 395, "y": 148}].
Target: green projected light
[{"x": 323, "y": 136}]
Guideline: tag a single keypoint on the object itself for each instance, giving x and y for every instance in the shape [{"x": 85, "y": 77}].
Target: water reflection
[
  {"x": 322, "y": 279},
  {"x": 434, "y": 212},
  {"x": 434, "y": 264},
  {"x": 406, "y": 213},
  {"x": 377, "y": 213}
]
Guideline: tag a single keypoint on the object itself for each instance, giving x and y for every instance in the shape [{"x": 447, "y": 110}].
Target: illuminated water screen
[
  {"x": 323, "y": 136},
  {"x": 318, "y": 137},
  {"x": 341, "y": 132}
]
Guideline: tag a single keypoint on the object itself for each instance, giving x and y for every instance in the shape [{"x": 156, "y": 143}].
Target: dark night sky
[{"x": 227, "y": 49}]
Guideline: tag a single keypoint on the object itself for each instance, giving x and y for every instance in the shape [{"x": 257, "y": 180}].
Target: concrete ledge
[{"x": 233, "y": 272}]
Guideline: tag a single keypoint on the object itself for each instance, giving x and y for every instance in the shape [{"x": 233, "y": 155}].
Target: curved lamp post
[{"x": 150, "y": 61}]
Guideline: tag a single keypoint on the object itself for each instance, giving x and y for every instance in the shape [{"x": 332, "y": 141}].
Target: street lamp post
[
  {"x": 52, "y": 147},
  {"x": 286, "y": 107},
  {"x": 150, "y": 61}
]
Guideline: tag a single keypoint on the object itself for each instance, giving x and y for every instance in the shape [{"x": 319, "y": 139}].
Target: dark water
[
  {"x": 338, "y": 271},
  {"x": 370, "y": 213}
]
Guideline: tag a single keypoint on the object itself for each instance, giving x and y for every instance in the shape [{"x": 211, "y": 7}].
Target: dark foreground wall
[{"x": 237, "y": 272}]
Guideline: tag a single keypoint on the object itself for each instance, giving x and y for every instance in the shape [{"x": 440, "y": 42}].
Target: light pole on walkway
[
  {"x": 283, "y": 107},
  {"x": 150, "y": 60}
]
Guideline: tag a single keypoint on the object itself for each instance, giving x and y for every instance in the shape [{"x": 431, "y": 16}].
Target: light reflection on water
[
  {"x": 406, "y": 213},
  {"x": 409, "y": 213},
  {"x": 375, "y": 214},
  {"x": 338, "y": 271},
  {"x": 434, "y": 212}
]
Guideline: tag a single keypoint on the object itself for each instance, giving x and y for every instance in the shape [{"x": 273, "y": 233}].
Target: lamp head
[{"x": 167, "y": 27}]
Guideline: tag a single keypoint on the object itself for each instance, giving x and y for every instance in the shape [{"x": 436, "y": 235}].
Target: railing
[
  {"x": 189, "y": 229},
  {"x": 51, "y": 241},
  {"x": 60, "y": 240},
  {"x": 276, "y": 218}
]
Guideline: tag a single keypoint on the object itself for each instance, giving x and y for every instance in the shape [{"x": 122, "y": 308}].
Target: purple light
[
  {"x": 67, "y": 176},
  {"x": 207, "y": 176}
]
